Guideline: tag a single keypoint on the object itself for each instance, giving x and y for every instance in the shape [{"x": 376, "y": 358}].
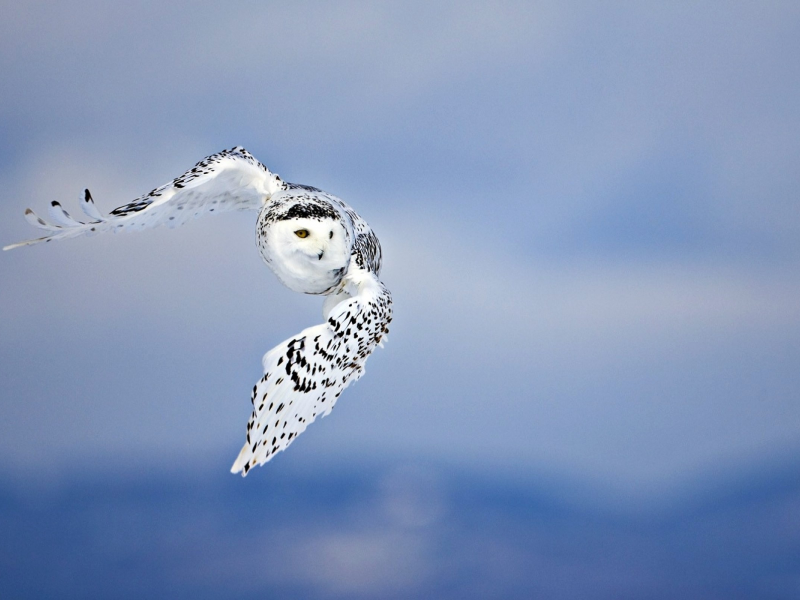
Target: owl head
[{"x": 306, "y": 243}]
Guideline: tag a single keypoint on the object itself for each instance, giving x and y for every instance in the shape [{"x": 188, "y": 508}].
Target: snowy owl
[{"x": 313, "y": 242}]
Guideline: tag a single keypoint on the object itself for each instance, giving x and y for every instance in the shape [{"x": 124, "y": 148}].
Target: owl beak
[{"x": 319, "y": 256}]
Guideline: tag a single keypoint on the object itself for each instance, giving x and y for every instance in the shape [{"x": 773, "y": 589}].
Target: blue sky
[{"x": 589, "y": 215}]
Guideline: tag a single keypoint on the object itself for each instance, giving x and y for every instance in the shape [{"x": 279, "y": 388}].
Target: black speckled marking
[
  {"x": 309, "y": 209},
  {"x": 300, "y": 186}
]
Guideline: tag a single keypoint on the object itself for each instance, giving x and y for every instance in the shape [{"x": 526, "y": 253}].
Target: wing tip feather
[
  {"x": 26, "y": 243},
  {"x": 32, "y": 218},
  {"x": 240, "y": 464}
]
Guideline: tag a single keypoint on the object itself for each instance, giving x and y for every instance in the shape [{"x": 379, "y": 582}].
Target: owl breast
[{"x": 306, "y": 243}]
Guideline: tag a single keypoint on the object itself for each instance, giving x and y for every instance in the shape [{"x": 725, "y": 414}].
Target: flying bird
[{"x": 313, "y": 242}]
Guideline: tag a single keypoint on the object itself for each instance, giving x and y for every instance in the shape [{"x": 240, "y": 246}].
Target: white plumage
[{"x": 313, "y": 242}]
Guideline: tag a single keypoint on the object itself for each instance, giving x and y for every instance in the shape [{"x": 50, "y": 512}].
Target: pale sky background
[{"x": 589, "y": 213}]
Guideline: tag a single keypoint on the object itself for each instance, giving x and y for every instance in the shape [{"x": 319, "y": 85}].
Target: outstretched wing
[
  {"x": 304, "y": 376},
  {"x": 229, "y": 180}
]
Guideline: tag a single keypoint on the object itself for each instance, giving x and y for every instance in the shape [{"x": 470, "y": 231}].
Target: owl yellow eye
[{"x": 301, "y": 233}]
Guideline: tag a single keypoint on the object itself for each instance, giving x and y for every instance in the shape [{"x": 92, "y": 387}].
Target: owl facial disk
[
  {"x": 308, "y": 254},
  {"x": 309, "y": 237}
]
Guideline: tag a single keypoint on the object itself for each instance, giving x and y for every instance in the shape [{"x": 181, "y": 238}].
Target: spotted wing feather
[
  {"x": 304, "y": 376},
  {"x": 229, "y": 180}
]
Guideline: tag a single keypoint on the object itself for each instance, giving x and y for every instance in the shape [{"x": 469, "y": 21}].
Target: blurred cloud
[{"x": 329, "y": 533}]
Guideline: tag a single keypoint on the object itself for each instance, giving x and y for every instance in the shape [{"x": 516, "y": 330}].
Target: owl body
[{"x": 313, "y": 242}]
